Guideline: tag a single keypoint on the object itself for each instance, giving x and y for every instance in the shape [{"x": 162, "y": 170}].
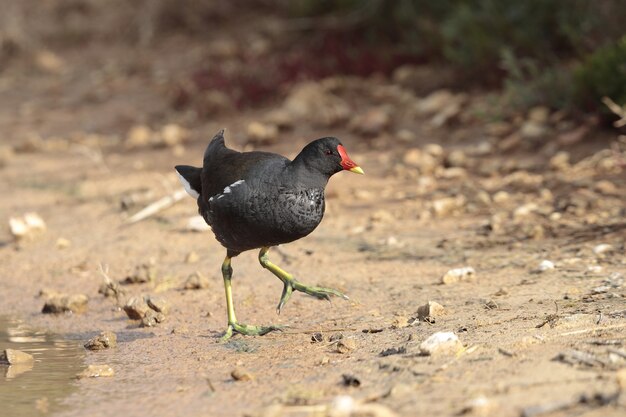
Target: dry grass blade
[
  {"x": 619, "y": 111},
  {"x": 157, "y": 206}
]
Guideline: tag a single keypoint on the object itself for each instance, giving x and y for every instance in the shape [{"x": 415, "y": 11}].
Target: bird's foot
[
  {"x": 321, "y": 293},
  {"x": 248, "y": 330}
]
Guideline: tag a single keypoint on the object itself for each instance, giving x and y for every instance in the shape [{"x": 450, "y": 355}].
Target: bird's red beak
[{"x": 347, "y": 163}]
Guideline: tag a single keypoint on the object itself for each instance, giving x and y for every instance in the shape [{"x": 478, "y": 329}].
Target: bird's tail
[{"x": 190, "y": 178}]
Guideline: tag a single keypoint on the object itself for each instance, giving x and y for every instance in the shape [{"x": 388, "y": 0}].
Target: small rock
[
  {"x": 136, "y": 308},
  {"x": 173, "y": 135},
  {"x": 382, "y": 216},
  {"x": 104, "y": 340},
  {"x": 152, "y": 318},
  {"x": 350, "y": 380},
  {"x": 448, "y": 205},
  {"x": 539, "y": 114},
  {"x": 441, "y": 343},
  {"x": 63, "y": 243},
  {"x": 239, "y": 374},
  {"x": 606, "y": 187},
  {"x": 453, "y": 173},
  {"x": 457, "y": 158},
  {"x": 143, "y": 273},
  {"x": 406, "y": 135},
  {"x": 197, "y": 224},
  {"x": 479, "y": 406},
  {"x": 560, "y": 161},
  {"x": 197, "y": 281},
  {"x": 525, "y": 210},
  {"x": 430, "y": 309},
  {"x": 345, "y": 346},
  {"x": 532, "y": 130},
  {"x": 545, "y": 266},
  {"x": 510, "y": 142},
  {"x": 399, "y": 322},
  {"x": 15, "y": 357},
  {"x": 393, "y": 351},
  {"x": 603, "y": 249},
  {"x": 466, "y": 274},
  {"x": 317, "y": 337},
  {"x": 158, "y": 304},
  {"x": 95, "y": 371},
  {"x": 435, "y": 150},
  {"x": 262, "y": 133},
  {"x": 74, "y": 303},
  {"x": 111, "y": 289},
  {"x": 139, "y": 136},
  {"x": 192, "y": 257},
  {"x": 501, "y": 197},
  {"x": 26, "y": 226}
]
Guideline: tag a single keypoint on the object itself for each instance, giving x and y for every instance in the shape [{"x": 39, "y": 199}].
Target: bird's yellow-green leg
[
  {"x": 233, "y": 325},
  {"x": 291, "y": 284}
]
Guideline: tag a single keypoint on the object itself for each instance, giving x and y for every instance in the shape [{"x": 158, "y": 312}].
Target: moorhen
[{"x": 256, "y": 200}]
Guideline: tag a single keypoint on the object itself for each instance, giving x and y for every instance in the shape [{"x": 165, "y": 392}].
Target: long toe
[
  {"x": 249, "y": 330},
  {"x": 320, "y": 292}
]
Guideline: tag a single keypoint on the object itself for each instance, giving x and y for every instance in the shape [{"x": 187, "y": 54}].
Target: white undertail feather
[{"x": 187, "y": 186}]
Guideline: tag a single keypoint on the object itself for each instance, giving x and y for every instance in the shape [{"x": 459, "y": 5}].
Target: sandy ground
[{"x": 382, "y": 242}]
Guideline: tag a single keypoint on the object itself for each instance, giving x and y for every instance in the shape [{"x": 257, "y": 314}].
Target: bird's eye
[{"x": 328, "y": 152}]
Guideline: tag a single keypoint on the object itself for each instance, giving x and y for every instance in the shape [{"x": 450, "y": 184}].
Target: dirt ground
[{"x": 482, "y": 198}]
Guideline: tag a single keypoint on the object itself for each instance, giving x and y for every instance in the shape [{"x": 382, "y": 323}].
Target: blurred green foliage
[
  {"x": 555, "y": 52},
  {"x": 603, "y": 73}
]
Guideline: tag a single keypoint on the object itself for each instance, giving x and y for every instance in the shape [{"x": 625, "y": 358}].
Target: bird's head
[{"x": 328, "y": 156}]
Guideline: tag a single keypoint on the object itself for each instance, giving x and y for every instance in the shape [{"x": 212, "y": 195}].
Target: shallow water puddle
[{"x": 37, "y": 388}]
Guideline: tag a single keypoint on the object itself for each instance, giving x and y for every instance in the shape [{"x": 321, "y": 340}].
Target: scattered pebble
[
  {"x": 63, "y": 243},
  {"x": 441, "y": 343},
  {"x": 27, "y": 226},
  {"x": 479, "y": 406},
  {"x": 430, "y": 310},
  {"x": 197, "y": 224},
  {"x": 15, "y": 357},
  {"x": 448, "y": 205},
  {"x": 143, "y": 273},
  {"x": 466, "y": 274},
  {"x": 95, "y": 371},
  {"x": 603, "y": 249},
  {"x": 197, "y": 281},
  {"x": 345, "y": 346},
  {"x": 158, "y": 304},
  {"x": 350, "y": 380},
  {"x": 104, "y": 340},
  {"x": 393, "y": 351},
  {"x": 545, "y": 266},
  {"x": 74, "y": 303},
  {"x": 111, "y": 289},
  {"x": 317, "y": 337},
  {"x": 239, "y": 374},
  {"x": 136, "y": 308},
  {"x": 262, "y": 133},
  {"x": 152, "y": 318},
  {"x": 192, "y": 257}
]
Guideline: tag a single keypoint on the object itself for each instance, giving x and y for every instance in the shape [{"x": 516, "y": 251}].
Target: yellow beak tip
[{"x": 357, "y": 170}]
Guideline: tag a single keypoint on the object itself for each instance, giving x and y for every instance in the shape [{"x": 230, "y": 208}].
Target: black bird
[{"x": 255, "y": 200}]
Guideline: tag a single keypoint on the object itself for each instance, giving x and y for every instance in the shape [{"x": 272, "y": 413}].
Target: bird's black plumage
[
  {"x": 260, "y": 199},
  {"x": 257, "y": 199}
]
